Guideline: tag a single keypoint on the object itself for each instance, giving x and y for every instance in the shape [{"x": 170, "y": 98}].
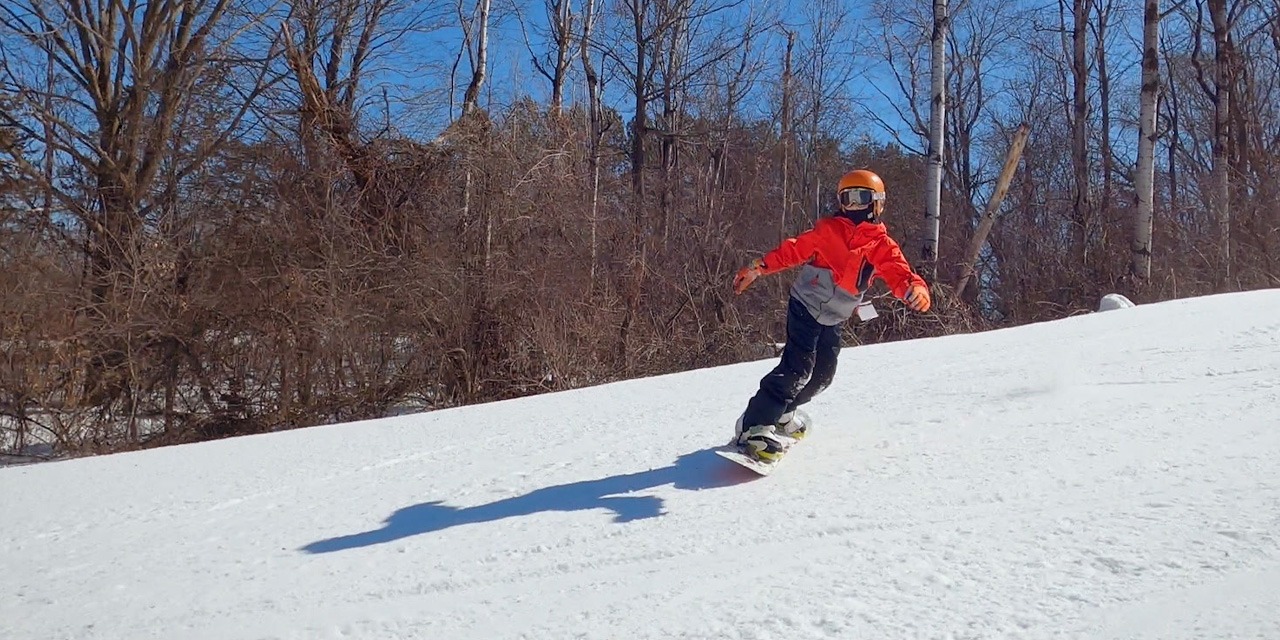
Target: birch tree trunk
[
  {"x": 937, "y": 121},
  {"x": 787, "y": 133},
  {"x": 1144, "y": 180},
  {"x": 562, "y": 30},
  {"x": 593, "y": 129},
  {"x": 472, "y": 97}
]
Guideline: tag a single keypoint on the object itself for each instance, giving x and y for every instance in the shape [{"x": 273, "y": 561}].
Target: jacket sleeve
[
  {"x": 892, "y": 267},
  {"x": 792, "y": 252}
]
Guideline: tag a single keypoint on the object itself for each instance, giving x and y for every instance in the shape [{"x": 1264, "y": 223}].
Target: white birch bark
[
  {"x": 472, "y": 97},
  {"x": 1144, "y": 180},
  {"x": 937, "y": 121}
]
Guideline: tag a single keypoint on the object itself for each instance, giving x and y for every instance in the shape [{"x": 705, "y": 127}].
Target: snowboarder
[{"x": 841, "y": 254}]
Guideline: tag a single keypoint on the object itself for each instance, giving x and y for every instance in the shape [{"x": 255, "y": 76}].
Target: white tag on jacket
[{"x": 867, "y": 311}]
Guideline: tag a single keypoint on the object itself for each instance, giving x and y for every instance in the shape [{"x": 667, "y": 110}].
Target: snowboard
[{"x": 731, "y": 453}]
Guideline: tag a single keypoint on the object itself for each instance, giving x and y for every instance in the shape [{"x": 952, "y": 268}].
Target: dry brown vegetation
[{"x": 210, "y": 225}]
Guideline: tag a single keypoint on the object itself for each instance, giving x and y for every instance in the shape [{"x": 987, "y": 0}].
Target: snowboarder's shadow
[{"x": 698, "y": 470}]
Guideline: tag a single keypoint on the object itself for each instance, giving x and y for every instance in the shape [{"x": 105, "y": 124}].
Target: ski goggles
[{"x": 858, "y": 197}]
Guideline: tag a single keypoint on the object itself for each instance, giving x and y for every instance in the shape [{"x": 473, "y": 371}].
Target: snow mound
[{"x": 1113, "y": 301}]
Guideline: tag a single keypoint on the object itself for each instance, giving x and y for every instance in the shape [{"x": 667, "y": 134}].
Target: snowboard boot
[
  {"x": 794, "y": 424},
  {"x": 763, "y": 443}
]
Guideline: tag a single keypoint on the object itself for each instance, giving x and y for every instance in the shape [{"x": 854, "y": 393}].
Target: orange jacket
[{"x": 852, "y": 254}]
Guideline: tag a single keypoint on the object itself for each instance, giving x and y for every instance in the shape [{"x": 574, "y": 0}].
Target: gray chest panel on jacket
[{"x": 828, "y": 304}]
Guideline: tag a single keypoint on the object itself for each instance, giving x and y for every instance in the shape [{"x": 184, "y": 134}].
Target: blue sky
[{"x": 419, "y": 71}]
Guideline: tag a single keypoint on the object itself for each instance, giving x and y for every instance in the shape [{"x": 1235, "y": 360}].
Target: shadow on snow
[{"x": 697, "y": 470}]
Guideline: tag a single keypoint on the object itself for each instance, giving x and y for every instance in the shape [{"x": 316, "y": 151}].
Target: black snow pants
[{"x": 808, "y": 366}]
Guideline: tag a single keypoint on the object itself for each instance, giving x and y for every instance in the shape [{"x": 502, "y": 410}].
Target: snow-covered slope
[{"x": 1115, "y": 475}]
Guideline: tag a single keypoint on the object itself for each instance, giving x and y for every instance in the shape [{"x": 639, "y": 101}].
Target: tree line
[{"x": 221, "y": 217}]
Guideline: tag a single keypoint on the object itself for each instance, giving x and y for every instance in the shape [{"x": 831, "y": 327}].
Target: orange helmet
[{"x": 860, "y": 189}]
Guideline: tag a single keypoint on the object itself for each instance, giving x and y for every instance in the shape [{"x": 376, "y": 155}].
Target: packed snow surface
[{"x": 1113, "y": 475}]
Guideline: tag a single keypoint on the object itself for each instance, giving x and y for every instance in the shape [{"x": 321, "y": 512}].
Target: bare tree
[
  {"x": 1217, "y": 85},
  {"x": 828, "y": 63},
  {"x": 937, "y": 123},
  {"x": 786, "y": 119},
  {"x": 1220, "y": 199},
  {"x": 657, "y": 48},
  {"x": 330, "y": 47},
  {"x": 651, "y": 51},
  {"x": 128, "y": 79},
  {"x": 1144, "y": 178},
  {"x": 967, "y": 268},
  {"x": 715, "y": 103},
  {"x": 595, "y": 125},
  {"x": 1103, "y": 9},
  {"x": 555, "y": 68},
  {"x": 1082, "y": 203},
  {"x": 978, "y": 44},
  {"x": 479, "y": 26},
  {"x": 1173, "y": 118},
  {"x": 673, "y": 96},
  {"x": 904, "y": 35}
]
